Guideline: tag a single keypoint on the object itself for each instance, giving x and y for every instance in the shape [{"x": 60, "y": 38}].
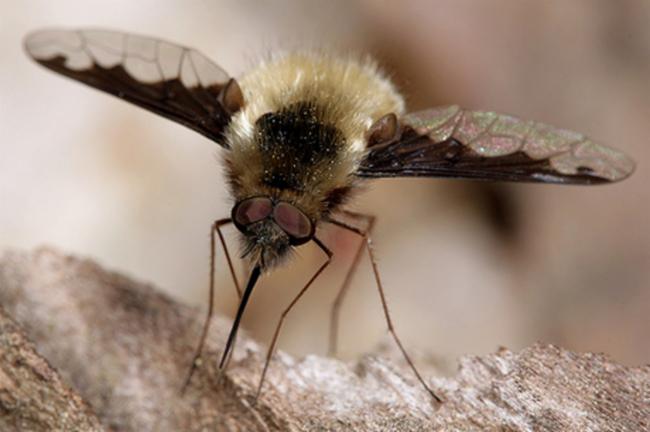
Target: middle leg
[
  {"x": 340, "y": 296},
  {"x": 368, "y": 243}
]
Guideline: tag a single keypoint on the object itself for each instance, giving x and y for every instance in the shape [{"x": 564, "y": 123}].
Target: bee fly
[{"x": 301, "y": 132}]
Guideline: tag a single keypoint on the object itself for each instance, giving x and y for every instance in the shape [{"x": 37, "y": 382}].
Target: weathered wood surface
[{"x": 124, "y": 348}]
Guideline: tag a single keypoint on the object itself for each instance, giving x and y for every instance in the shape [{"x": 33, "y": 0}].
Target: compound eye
[
  {"x": 252, "y": 210},
  {"x": 293, "y": 221}
]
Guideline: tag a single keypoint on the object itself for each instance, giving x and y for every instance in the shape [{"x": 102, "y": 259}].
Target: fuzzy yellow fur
[{"x": 351, "y": 95}]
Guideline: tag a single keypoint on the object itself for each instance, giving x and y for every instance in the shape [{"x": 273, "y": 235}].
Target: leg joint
[{"x": 220, "y": 222}]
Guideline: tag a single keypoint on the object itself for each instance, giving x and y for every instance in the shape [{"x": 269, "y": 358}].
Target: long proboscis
[{"x": 252, "y": 280}]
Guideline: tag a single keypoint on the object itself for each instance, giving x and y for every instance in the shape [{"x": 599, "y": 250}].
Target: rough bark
[
  {"x": 125, "y": 348},
  {"x": 33, "y": 395}
]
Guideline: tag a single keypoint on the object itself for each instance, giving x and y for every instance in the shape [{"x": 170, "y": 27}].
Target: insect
[{"x": 301, "y": 132}]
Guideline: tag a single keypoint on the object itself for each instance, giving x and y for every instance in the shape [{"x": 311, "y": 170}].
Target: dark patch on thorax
[{"x": 294, "y": 143}]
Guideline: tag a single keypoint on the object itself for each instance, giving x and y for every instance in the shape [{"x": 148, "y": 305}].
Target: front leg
[{"x": 215, "y": 228}]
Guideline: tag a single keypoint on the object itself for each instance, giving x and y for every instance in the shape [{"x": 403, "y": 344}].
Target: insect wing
[
  {"x": 452, "y": 142},
  {"x": 178, "y": 83}
]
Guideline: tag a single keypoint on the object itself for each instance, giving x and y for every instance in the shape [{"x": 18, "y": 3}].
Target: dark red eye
[
  {"x": 252, "y": 210},
  {"x": 292, "y": 221}
]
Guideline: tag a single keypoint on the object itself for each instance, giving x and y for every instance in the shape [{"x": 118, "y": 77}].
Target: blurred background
[{"x": 467, "y": 267}]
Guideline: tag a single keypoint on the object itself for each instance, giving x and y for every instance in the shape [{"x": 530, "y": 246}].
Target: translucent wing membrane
[
  {"x": 452, "y": 142},
  {"x": 173, "y": 81}
]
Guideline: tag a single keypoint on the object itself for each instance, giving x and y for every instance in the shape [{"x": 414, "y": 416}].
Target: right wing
[
  {"x": 175, "y": 82},
  {"x": 480, "y": 145}
]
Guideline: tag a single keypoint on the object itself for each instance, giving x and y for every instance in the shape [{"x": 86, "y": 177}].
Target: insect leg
[
  {"x": 269, "y": 353},
  {"x": 216, "y": 227},
  {"x": 389, "y": 322},
  {"x": 336, "y": 306},
  {"x": 225, "y": 249}
]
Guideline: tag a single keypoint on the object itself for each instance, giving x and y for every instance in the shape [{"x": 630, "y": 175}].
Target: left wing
[
  {"x": 452, "y": 142},
  {"x": 173, "y": 81}
]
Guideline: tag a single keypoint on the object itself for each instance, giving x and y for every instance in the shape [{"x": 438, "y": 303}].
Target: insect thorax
[
  {"x": 296, "y": 155},
  {"x": 300, "y": 135},
  {"x": 297, "y": 148}
]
